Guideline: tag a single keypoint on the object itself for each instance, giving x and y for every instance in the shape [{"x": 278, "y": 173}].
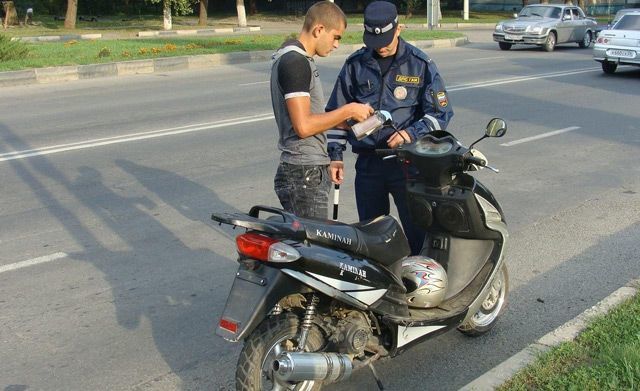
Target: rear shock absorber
[{"x": 307, "y": 321}]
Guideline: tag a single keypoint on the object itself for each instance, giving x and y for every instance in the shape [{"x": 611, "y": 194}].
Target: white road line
[
  {"x": 484, "y": 58},
  {"x": 543, "y": 135},
  {"x": 519, "y": 79},
  {"x": 130, "y": 137},
  {"x": 31, "y": 262},
  {"x": 237, "y": 121},
  {"x": 254, "y": 83}
]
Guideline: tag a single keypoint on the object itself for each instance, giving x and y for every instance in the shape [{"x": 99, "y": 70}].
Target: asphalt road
[{"x": 112, "y": 276}]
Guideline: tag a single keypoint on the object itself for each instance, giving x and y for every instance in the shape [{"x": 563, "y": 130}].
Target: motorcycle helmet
[{"x": 425, "y": 280}]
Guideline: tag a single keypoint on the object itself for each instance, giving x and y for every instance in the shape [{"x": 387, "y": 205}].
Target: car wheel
[
  {"x": 550, "y": 44},
  {"x": 609, "y": 67},
  {"x": 586, "y": 40},
  {"x": 504, "y": 45}
]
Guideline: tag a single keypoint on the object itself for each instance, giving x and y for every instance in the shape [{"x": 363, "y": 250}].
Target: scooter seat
[{"x": 380, "y": 239}]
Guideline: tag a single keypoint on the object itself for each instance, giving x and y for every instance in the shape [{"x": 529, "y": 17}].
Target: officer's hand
[
  {"x": 336, "y": 170},
  {"x": 360, "y": 111},
  {"x": 398, "y": 138}
]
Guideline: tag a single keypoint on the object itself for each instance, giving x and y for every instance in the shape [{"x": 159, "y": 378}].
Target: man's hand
[
  {"x": 359, "y": 111},
  {"x": 336, "y": 170},
  {"x": 398, "y": 138}
]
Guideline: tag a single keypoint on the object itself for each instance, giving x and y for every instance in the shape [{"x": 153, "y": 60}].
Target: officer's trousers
[{"x": 375, "y": 180}]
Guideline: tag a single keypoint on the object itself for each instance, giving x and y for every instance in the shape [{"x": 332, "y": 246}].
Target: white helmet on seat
[{"x": 425, "y": 280}]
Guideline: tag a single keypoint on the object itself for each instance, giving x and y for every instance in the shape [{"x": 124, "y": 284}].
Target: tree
[
  {"x": 72, "y": 14},
  {"x": 202, "y": 15},
  {"x": 242, "y": 14},
  {"x": 10, "y": 14},
  {"x": 181, "y": 7}
]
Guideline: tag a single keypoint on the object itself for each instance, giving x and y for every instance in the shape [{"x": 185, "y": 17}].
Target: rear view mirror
[{"x": 497, "y": 127}]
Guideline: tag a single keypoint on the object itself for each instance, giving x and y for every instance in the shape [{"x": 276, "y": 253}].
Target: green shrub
[
  {"x": 12, "y": 50},
  {"x": 104, "y": 52}
]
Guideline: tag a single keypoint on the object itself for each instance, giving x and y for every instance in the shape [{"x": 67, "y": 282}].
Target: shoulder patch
[{"x": 443, "y": 101}]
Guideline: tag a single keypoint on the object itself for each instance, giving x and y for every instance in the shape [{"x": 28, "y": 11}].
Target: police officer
[{"x": 392, "y": 75}]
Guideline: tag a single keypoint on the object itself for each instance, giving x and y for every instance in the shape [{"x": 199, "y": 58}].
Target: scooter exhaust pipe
[{"x": 299, "y": 366}]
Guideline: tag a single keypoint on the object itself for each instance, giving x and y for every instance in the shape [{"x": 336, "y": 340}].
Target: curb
[
  {"x": 140, "y": 34},
  {"x": 166, "y": 64},
  {"x": 454, "y": 26},
  {"x": 567, "y": 332},
  {"x": 55, "y": 38},
  {"x": 197, "y": 32}
]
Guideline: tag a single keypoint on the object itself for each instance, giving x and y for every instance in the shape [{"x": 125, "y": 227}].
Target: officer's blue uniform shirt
[{"x": 412, "y": 91}]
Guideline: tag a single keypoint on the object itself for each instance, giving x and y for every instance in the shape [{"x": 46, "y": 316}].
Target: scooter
[{"x": 314, "y": 300}]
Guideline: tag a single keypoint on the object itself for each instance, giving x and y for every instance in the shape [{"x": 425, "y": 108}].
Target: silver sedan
[
  {"x": 620, "y": 44},
  {"x": 546, "y": 25}
]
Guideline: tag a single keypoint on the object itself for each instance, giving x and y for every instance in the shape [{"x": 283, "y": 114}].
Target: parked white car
[
  {"x": 546, "y": 25},
  {"x": 620, "y": 44}
]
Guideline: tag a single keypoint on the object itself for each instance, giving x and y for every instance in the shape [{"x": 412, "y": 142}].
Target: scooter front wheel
[
  {"x": 272, "y": 337},
  {"x": 491, "y": 308}
]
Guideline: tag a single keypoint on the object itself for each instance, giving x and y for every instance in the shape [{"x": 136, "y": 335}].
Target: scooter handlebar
[{"x": 475, "y": 160}]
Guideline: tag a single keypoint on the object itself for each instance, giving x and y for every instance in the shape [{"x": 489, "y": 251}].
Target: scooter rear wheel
[
  {"x": 492, "y": 306},
  {"x": 273, "y": 336}
]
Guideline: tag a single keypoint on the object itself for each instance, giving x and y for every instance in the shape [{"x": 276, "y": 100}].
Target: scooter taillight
[
  {"x": 266, "y": 249},
  {"x": 254, "y": 245}
]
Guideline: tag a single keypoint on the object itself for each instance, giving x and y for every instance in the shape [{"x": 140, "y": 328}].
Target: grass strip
[
  {"x": 81, "y": 52},
  {"x": 47, "y": 25},
  {"x": 605, "y": 356}
]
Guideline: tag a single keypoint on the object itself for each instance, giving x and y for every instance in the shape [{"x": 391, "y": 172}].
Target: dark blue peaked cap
[{"x": 380, "y": 22}]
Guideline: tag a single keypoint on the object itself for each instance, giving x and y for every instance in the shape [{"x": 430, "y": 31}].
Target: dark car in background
[{"x": 546, "y": 25}]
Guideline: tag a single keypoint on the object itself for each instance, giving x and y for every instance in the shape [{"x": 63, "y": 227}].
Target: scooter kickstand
[{"x": 375, "y": 376}]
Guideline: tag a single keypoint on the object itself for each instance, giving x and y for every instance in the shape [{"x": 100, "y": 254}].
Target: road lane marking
[
  {"x": 31, "y": 262},
  {"x": 242, "y": 120},
  {"x": 130, "y": 137},
  {"x": 254, "y": 83},
  {"x": 519, "y": 79},
  {"x": 484, "y": 58},
  {"x": 543, "y": 135}
]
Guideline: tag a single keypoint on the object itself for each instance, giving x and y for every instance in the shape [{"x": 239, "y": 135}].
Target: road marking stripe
[
  {"x": 514, "y": 79},
  {"x": 31, "y": 262},
  {"x": 237, "y": 121},
  {"x": 518, "y": 79},
  {"x": 130, "y": 137},
  {"x": 484, "y": 58},
  {"x": 543, "y": 135},
  {"x": 254, "y": 83}
]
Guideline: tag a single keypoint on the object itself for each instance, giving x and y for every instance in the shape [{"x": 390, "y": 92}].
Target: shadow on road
[{"x": 158, "y": 280}]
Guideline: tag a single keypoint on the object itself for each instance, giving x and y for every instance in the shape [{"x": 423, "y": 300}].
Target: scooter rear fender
[{"x": 253, "y": 295}]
